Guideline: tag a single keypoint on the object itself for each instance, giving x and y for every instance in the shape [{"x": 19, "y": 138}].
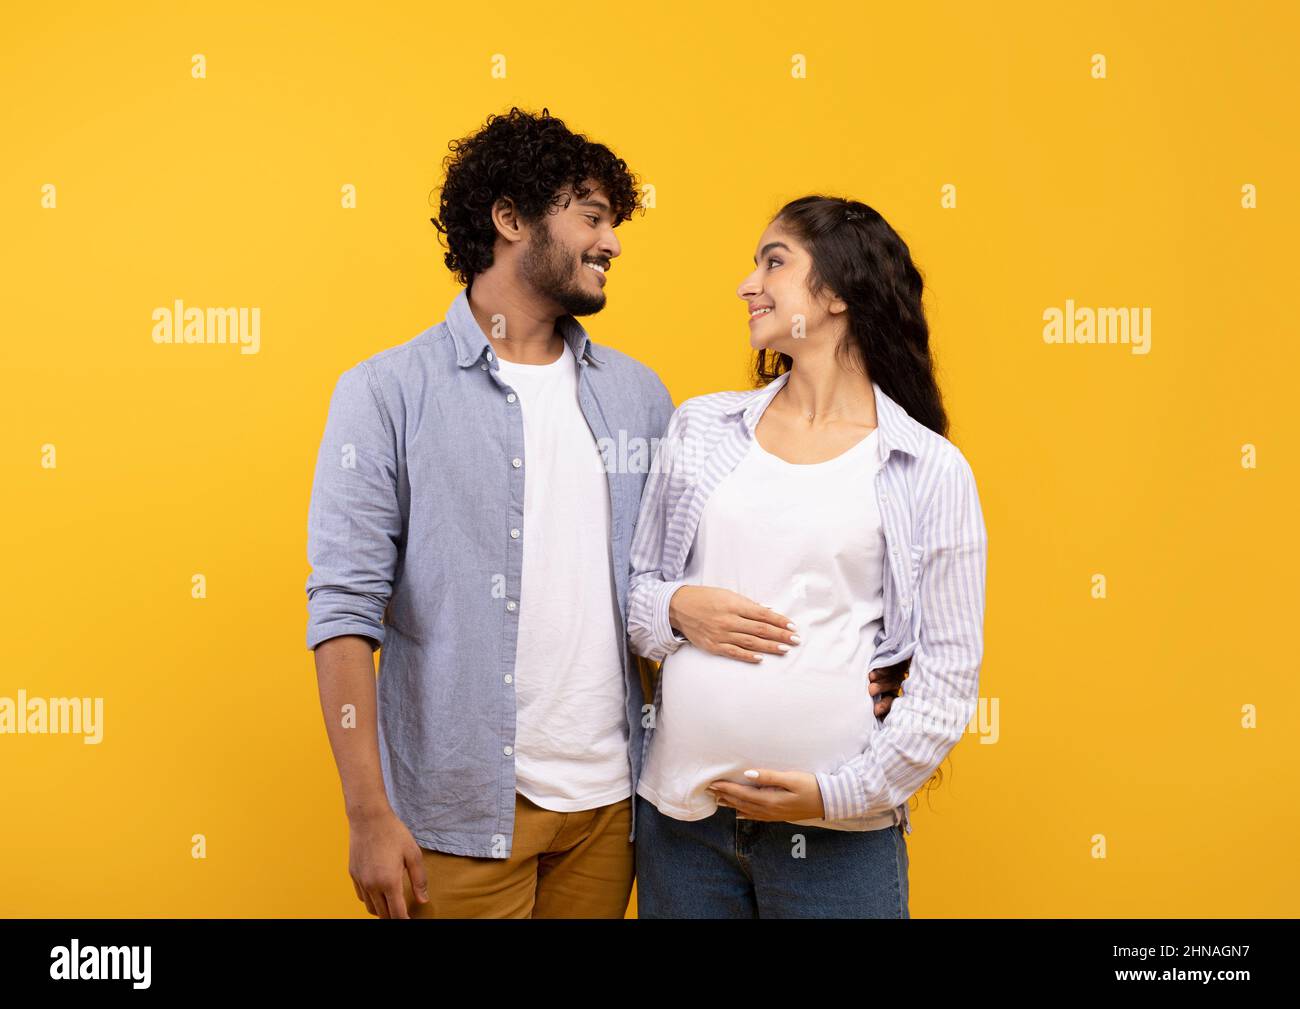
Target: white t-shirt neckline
[
  {"x": 846, "y": 457},
  {"x": 566, "y": 355}
]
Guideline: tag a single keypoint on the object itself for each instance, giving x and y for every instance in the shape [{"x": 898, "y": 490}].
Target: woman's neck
[{"x": 821, "y": 391}]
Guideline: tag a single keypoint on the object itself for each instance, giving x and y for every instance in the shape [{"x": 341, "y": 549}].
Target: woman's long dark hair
[{"x": 859, "y": 257}]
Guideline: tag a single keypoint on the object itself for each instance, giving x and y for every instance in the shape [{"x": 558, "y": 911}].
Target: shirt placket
[
  {"x": 595, "y": 419},
  {"x": 514, "y": 534},
  {"x": 898, "y": 603}
]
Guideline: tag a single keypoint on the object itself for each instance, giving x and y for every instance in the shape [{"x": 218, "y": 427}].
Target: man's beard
[{"x": 548, "y": 268}]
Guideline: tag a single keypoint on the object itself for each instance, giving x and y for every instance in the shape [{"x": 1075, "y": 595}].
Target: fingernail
[
  {"x": 784, "y": 648},
  {"x": 795, "y": 638},
  {"x": 751, "y": 774},
  {"x": 791, "y": 627}
]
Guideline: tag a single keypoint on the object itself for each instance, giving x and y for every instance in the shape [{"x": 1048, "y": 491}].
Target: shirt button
[
  {"x": 483, "y": 367},
  {"x": 516, "y": 463},
  {"x": 511, "y": 605},
  {"x": 514, "y": 534},
  {"x": 510, "y": 398},
  {"x": 509, "y": 678},
  {"x": 508, "y": 750},
  {"x": 489, "y": 355}
]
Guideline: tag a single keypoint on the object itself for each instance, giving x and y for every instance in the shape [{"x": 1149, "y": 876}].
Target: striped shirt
[{"x": 936, "y": 557}]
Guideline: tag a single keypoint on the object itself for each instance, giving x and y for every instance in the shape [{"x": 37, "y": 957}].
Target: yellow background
[{"x": 1119, "y": 717}]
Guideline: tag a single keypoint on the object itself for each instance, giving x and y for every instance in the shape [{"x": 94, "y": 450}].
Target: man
[{"x": 472, "y": 512}]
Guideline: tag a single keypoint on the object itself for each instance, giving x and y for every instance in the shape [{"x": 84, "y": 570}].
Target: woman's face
[{"x": 783, "y": 316}]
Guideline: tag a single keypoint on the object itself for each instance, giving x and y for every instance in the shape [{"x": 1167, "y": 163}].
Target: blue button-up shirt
[
  {"x": 418, "y": 484},
  {"x": 937, "y": 550}
]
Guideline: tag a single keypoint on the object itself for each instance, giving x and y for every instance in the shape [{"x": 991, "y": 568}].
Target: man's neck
[{"x": 519, "y": 327}]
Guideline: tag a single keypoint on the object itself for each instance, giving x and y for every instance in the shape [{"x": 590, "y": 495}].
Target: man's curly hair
[{"x": 526, "y": 158}]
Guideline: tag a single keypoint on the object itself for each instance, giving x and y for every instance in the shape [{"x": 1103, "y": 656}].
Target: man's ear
[{"x": 506, "y": 220}]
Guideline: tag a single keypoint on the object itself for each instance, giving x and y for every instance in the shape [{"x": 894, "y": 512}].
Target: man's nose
[{"x": 609, "y": 244}]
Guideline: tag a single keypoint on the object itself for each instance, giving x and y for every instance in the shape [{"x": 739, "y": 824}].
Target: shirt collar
[
  {"x": 897, "y": 428},
  {"x": 470, "y": 341}
]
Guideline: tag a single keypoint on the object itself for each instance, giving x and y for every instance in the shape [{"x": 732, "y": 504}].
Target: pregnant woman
[{"x": 792, "y": 539}]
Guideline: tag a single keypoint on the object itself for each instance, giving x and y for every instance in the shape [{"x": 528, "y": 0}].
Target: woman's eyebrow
[{"x": 769, "y": 247}]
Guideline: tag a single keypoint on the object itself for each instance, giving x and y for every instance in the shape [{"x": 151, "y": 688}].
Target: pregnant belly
[{"x": 796, "y": 712}]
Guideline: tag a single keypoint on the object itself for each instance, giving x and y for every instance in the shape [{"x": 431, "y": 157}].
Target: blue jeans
[{"x": 722, "y": 867}]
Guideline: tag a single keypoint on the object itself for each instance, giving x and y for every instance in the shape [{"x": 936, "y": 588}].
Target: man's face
[{"x": 565, "y": 248}]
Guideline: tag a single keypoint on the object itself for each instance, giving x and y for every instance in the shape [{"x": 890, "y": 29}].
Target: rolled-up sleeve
[
  {"x": 942, "y": 690},
  {"x": 649, "y": 594},
  {"x": 354, "y": 523}
]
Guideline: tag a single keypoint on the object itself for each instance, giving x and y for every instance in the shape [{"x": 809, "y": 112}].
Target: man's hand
[
  {"x": 885, "y": 683},
  {"x": 729, "y": 624},
  {"x": 774, "y": 795},
  {"x": 381, "y": 851}
]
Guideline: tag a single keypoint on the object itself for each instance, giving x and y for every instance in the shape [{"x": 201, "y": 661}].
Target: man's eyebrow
[
  {"x": 595, "y": 202},
  {"x": 769, "y": 247}
]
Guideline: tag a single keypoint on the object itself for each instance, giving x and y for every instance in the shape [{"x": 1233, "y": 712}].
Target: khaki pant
[{"x": 561, "y": 865}]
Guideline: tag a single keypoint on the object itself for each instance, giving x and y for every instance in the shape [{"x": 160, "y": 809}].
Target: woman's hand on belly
[
  {"x": 726, "y": 623},
  {"x": 774, "y": 795}
]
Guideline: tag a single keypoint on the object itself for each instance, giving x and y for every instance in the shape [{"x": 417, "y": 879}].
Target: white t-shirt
[
  {"x": 571, "y": 733},
  {"x": 805, "y": 539}
]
